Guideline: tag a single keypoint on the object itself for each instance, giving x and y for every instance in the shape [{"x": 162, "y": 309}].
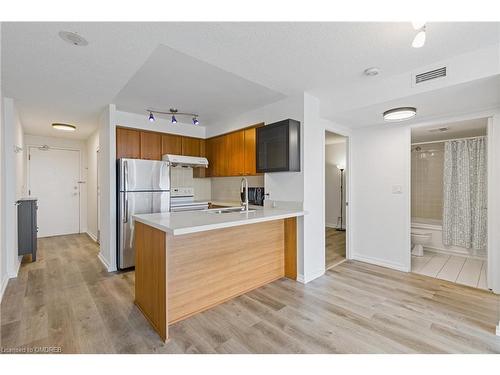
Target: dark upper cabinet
[{"x": 278, "y": 147}]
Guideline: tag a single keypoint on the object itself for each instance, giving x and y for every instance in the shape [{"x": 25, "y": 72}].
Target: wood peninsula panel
[
  {"x": 290, "y": 227},
  {"x": 128, "y": 143},
  {"x": 150, "y": 145},
  {"x": 208, "y": 268},
  {"x": 150, "y": 277}
]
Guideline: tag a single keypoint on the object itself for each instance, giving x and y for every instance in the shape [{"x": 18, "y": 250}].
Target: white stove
[{"x": 182, "y": 199}]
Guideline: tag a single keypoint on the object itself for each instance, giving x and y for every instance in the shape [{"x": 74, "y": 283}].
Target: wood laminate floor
[
  {"x": 68, "y": 299},
  {"x": 335, "y": 247}
]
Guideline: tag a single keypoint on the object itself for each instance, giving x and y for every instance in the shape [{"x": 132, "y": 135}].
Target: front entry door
[{"x": 54, "y": 180}]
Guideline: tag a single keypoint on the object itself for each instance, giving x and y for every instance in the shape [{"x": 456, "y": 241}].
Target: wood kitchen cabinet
[
  {"x": 250, "y": 152},
  {"x": 234, "y": 152},
  {"x": 150, "y": 146},
  {"x": 128, "y": 143},
  {"x": 171, "y": 144},
  {"x": 191, "y": 146}
]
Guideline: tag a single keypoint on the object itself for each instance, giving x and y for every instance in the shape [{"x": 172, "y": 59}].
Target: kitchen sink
[{"x": 227, "y": 210}]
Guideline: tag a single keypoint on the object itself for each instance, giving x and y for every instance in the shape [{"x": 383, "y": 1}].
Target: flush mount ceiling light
[
  {"x": 173, "y": 112},
  {"x": 400, "y": 114},
  {"x": 73, "y": 38},
  {"x": 419, "y": 39},
  {"x": 64, "y": 127},
  {"x": 371, "y": 72}
]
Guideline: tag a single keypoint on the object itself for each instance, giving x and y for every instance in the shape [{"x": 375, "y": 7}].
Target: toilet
[{"x": 419, "y": 239}]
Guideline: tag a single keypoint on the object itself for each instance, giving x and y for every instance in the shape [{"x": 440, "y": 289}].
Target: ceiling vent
[{"x": 430, "y": 75}]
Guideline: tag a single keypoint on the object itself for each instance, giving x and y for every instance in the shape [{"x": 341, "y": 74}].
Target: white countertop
[{"x": 177, "y": 223}]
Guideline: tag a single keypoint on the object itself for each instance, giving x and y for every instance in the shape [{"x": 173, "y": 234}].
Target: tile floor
[{"x": 454, "y": 268}]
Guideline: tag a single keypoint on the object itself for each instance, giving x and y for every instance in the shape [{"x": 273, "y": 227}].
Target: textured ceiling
[{"x": 54, "y": 81}]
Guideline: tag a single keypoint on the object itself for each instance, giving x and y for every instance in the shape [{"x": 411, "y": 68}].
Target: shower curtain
[{"x": 464, "y": 198}]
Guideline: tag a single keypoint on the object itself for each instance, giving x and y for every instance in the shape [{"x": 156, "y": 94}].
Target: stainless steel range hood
[{"x": 186, "y": 161}]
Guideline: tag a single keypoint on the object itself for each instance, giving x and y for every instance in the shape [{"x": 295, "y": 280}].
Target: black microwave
[{"x": 278, "y": 147}]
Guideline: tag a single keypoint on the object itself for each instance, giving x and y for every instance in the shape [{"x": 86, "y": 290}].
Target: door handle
[
  {"x": 125, "y": 175},
  {"x": 125, "y": 217}
]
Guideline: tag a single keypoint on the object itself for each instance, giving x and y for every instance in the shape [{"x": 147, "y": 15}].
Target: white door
[{"x": 53, "y": 180}]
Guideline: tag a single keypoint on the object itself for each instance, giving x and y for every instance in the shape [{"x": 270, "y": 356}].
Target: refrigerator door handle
[
  {"x": 125, "y": 175},
  {"x": 125, "y": 216}
]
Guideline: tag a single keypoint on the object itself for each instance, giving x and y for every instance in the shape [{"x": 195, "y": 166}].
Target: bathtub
[{"x": 435, "y": 227}]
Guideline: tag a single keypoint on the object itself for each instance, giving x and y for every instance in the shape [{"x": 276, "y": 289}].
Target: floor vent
[{"x": 432, "y": 74}]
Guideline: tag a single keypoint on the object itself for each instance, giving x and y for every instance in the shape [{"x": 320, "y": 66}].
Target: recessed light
[
  {"x": 73, "y": 38},
  {"x": 400, "y": 114},
  {"x": 371, "y": 72},
  {"x": 64, "y": 127}
]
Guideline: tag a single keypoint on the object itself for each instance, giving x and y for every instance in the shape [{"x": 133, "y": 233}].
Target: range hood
[{"x": 186, "y": 161}]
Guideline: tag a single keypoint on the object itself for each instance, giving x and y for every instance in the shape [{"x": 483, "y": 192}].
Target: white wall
[
  {"x": 92, "y": 147},
  {"x": 107, "y": 178},
  {"x": 335, "y": 154},
  {"x": 12, "y": 183},
  {"x": 73, "y": 144},
  {"x": 494, "y": 204},
  {"x": 380, "y": 219},
  {"x": 3, "y": 253}
]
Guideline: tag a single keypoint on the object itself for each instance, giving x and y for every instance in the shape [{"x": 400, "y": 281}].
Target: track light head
[
  {"x": 195, "y": 121},
  {"x": 151, "y": 117},
  {"x": 174, "y": 120}
]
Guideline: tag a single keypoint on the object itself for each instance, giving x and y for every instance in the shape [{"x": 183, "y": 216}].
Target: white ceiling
[
  {"x": 474, "y": 96},
  {"x": 55, "y": 82},
  {"x": 171, "y": 79},
  {"x": 458, "y": 129}
]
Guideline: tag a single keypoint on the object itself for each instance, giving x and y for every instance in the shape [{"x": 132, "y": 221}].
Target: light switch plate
[{"x": 397, "y": 189}]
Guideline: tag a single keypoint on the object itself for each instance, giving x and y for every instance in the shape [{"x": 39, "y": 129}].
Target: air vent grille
[{"x": 432, "y": 74}]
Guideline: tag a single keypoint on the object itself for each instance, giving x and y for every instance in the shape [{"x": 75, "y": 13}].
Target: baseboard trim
[
  {"x": 92, "y": 236},
  {"x": 302, "y": 279},
  {"x": 380, "y": 262},
  {"x": 330, "y": 225},
  {"x": 3, "y": 286},
  {"x": 103, "y": 261}
]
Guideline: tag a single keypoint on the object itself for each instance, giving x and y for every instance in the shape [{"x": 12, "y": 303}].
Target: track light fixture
[{"x": 173, "y": 112}]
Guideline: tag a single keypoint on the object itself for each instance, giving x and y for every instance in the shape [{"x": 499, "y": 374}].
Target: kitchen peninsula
[{"x": 187, "y": 262}]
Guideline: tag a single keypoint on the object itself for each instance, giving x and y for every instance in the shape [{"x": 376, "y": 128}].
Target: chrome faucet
[{"x": 244, "y": 189}]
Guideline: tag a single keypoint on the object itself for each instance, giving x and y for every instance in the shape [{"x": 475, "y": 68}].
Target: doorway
[
  {"x": 449, "y": 202},
  {"x": 335, "y": 199},
  {"x": 53, "y": 178}
]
